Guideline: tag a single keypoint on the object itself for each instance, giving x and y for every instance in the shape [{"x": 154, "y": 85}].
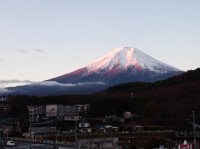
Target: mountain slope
[{"x": 126, "y": 64}]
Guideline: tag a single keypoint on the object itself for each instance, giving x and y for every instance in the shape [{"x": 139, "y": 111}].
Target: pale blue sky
[{"x": 41, "y": 39}]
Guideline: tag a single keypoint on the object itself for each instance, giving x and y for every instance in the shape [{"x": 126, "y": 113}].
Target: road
[{"x": 23, "y": 145}]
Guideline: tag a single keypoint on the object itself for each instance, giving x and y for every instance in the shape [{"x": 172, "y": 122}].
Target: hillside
[
  {"x": 171, "y": 99},
  {"x": 189, "y": 76}
]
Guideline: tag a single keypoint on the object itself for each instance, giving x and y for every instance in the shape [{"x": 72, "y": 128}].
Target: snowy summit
[
  {"x": 126, "y": 57},
  {"x": 122, "y": 65}
]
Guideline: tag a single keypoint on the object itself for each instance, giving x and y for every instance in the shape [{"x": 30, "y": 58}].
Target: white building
[
  {"x": 50, "y": 111},
  {"x": 33, "y": 113},
  {"x": 84, "y": 127}
]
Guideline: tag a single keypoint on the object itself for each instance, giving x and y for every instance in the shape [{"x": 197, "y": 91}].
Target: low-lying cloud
[
  {"x": 33, "y": 85},
  {"x": 12, "y": 83},
  {"x": 54, "y": 83}
]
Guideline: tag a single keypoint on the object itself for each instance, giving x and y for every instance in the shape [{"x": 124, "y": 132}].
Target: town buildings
[{"x": 62, "y": 112}]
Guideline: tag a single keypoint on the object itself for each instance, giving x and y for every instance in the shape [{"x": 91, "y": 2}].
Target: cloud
[
  {"x": 22, "y": 51},
  {"x": 33, "y": 49},
  {"x": 1, "y": 59},
  {"x": 12, "y": 83},
  {"x": 54, "y": 83},
  {"x": 22, "y": 89},
  {"x": 15, "y": 81},
  {"x": 75, "y": 58},
  {"x": 37, "y": 50}
]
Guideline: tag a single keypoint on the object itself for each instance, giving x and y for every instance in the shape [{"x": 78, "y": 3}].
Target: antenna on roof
[{"x": 194, "y": 127}]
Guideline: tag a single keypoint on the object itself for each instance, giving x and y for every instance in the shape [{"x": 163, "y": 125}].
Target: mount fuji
[{"x": 122, "y": 65}]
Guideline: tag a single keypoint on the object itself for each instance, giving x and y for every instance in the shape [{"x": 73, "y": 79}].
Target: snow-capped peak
[{"x": 126, "y": 57}]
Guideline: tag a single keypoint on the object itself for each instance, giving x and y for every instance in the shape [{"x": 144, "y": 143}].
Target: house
[
  {"x": 82, "y": 108},
  {"x": 107, "y": 128},
  {"x": 84, "y": 127}
]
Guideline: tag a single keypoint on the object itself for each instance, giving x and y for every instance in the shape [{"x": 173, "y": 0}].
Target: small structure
[
  {"x": 41, "y": 129},
  {"x": 33, "y": 113},
  {"x": 82, "y": 108},
  {"x": 107, "y": 128},
  {"x": 84, "y": 127},
  {"x": 72, "y": 118},
  {"x": 127, "y": 114},
  {"x": 104, "y": 143}
]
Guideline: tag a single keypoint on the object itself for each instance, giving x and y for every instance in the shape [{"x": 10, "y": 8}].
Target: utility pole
[
  {"x": 194, "y": 128},
  {"x": 55, "y": 135},
  {"x": 56, "y": 130},
  {"x": 30, "y": 130},
  {"x": 76, "y": 133}
]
